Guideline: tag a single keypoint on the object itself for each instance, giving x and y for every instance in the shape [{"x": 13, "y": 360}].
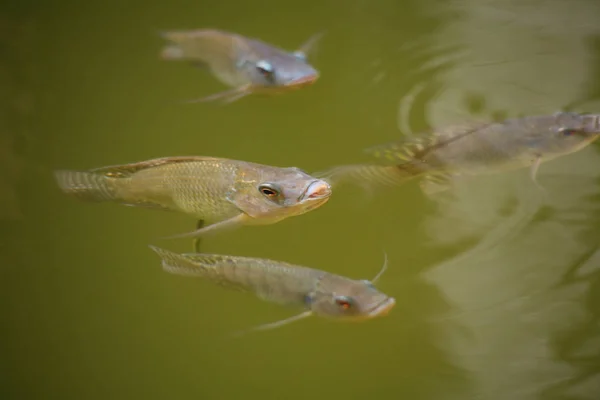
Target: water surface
[{"x": 496, "y": 285}]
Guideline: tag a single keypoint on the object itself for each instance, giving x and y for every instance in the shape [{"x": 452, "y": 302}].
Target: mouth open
[{"x": 316, "y": 190}]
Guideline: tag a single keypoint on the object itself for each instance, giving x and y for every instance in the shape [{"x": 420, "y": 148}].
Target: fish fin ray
[
  {"x": 308, "y": 47},
  {"x": 365, "y": 175},
  {"x": 228, "y": 96},
  {"x": 382, "y": 270},
  {"x": 276, "y": 324},
  {"x": 535, "y": 167},
  {"x": 433, "y": 184},
  {"x": 198, "y": 265},
  {"x": 86, "y": 185},
  {"x": 185, "y": 264},
  {"x": 416, "y": 147},
  {"x": 225, "y": 224},
  {"x": 235, "y": 97},
  {"x": 98, "y": 186},
  {"x": 175, "y": 263},
  {"x": 126, "y": 170},
  {"x": 198, "y": 240}
]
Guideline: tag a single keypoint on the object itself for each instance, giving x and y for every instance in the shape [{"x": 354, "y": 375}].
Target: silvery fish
[
  {"x": 317, "y": 292},
  {"x": 245, "y": 64},
  {"x": 474, "y": 148},
  {"x": 224, "y": 192}
]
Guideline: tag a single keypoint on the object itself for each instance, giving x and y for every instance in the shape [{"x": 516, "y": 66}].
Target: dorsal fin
[
  {"x": 418, "y": 146},
  {"x": 125, "y": 170},
  {"x": 403, "y": 150}
]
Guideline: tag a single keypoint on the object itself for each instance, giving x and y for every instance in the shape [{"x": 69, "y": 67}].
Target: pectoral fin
[
  {"x": 382, "y": 270},
  {"x": 197, "y": 241},
  {"x": 226, "y": 97},
  {"x": 534, "y": 170},
  {"x": 275, "y": 324},
  {"x": 233, "y": 222}
]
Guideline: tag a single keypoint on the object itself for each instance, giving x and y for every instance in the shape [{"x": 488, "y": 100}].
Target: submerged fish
[
  {"x": 245, "y": 64},
  {"x": 472, "y": 149},
  {"x": 318, "y": 292},
  {"x": 224, "y": 192}
]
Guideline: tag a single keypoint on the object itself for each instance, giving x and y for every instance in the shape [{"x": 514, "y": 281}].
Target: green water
[{"x": 497, "y": 286}]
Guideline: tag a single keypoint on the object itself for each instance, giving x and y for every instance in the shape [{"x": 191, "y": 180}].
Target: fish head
[
  {"x": 270, "y": 194},
  {"x": 564, "y": 133},
  {"x": 348, "y": 299},
  {"x": 272, "y": 69}
]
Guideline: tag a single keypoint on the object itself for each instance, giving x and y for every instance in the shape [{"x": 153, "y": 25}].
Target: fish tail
[
  {"x": 88, "y": 186},
  {"x": 365, "y": 175},
  {"x": 179, "y": 264},
  {"x": 383, "y": 175},
  {"x": 172, "y": 52}
]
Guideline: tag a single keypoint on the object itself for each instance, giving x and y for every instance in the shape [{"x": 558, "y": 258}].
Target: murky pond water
[{"x": 497, "y": 286}]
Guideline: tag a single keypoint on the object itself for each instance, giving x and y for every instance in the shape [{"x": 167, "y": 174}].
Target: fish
[
  {"x": 247, "y": 65},
  {"x": 441, "y": 157},
  {"x": 225, "y": 193},
  {"x": 317, "y": 292}
]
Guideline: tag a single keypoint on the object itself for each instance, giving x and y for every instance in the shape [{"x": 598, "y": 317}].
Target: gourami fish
[
  {"x": 224, "y": 192},
  {"x": 318, "y": 292},
  {"x": 245, "y": 64},
  {"x": 444, "y": 155}
]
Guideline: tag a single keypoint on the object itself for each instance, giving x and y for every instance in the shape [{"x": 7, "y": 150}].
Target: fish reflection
[
  {"x": 318, "y": 292},
  {"x": 444, "y": 155},
  {"x": 245, "y": 64},
  {"x": 225, "y": 192}
]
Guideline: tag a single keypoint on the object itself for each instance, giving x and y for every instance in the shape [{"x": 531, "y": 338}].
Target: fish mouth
[
  {"x": 382, "y": 308},
  {"x": 316, "y": 190},
  {"x": 302, "y": 81}
]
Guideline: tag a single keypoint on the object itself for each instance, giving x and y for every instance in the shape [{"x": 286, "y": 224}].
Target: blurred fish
[
  {"x": 318, "y": 292},
  {"x": 474, "y": 148},
  {"x": 225, "y": 192},
  {"x": 248, "y": 65}
]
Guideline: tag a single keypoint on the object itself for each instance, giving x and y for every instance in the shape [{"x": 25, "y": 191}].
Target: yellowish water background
[{"x": 497, "y": 286}]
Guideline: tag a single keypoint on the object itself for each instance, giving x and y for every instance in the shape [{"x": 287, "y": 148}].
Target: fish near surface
[
  {"x": 224, "y": 192},
  {"x": 245, "y": 64},
  {"x": 475, "y": 148},
  {"x": 318, "y": 292}
]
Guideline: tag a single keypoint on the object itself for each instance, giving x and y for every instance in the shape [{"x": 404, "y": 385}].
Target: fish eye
[
  {"x": 269, "y": 190},
  {"x": 343, "y": 302},
  {"x": 265, "y": 68}
]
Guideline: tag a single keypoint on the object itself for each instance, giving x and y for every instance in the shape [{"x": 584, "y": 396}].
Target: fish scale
[{"x": 245, "y": 273}]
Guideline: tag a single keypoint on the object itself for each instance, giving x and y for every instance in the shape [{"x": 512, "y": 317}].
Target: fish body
[
  {"x": 317, "y": 292},
  {"x": 477, "y": 148},
  {"x": 211, "y": 189},
  {"x": 245, "y": 64}
]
